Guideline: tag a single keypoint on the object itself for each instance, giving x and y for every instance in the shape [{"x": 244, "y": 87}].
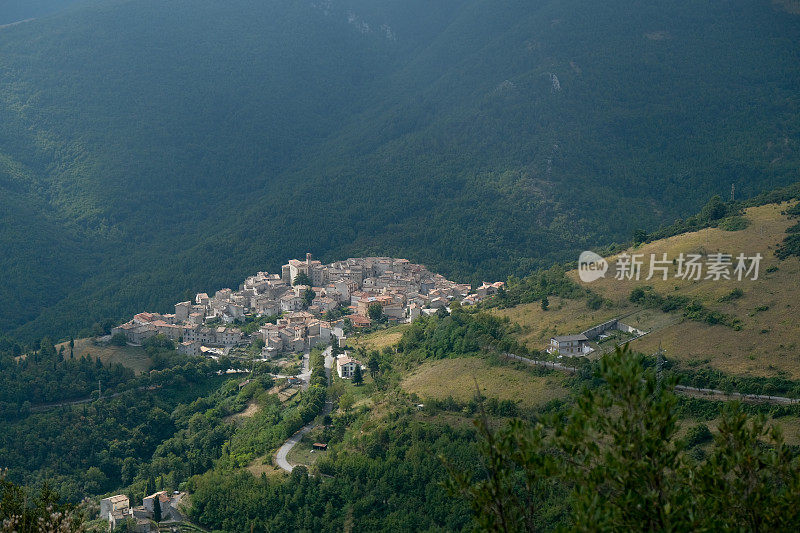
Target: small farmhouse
[
  {"x": 569, "y": 345},
  {"x": 115, "y": 505}
]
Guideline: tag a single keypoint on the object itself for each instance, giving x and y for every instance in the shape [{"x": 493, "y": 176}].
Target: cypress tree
[{"x": 157, "y": 509}]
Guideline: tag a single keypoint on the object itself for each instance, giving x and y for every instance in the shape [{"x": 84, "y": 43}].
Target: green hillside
[
  {"x": 439, "y": 403},
  {"x": 150, "y": 149}
]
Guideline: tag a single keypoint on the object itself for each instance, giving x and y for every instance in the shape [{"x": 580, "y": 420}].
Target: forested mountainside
[{"x": 149, "y": 149}]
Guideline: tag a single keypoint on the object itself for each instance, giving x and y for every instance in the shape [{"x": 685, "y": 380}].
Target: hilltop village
[{"x": 309, "y": 303}]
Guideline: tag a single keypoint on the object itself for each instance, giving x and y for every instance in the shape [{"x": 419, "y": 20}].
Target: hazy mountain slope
[
  {"x": 12, "y": 11},
  {"x": 184, "y": 145},
  {"x": 535, "y": 169}
]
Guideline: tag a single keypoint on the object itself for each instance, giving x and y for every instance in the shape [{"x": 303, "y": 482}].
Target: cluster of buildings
[
  {"x": 117, "y": 510},
  {"x": 314, "y": 301}
]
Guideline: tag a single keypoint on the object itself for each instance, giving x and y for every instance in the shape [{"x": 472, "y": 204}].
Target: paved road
[
  {"x": 716, "y": 393},
  {"x": 46, "y": 406},
  {"x": 305, "y": 375},
  {"x": 737, "y": 395},
  {"x": 291, "y": 442},
  {"x": 546, "y": 364}
]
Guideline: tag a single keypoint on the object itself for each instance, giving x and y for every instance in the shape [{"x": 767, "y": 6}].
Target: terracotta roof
[
  {"x": 360, "y": 320},
  {"x": 344, "y": 359}
]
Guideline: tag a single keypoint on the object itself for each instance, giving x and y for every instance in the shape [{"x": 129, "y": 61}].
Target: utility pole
[{"x": 659, "y": 364}]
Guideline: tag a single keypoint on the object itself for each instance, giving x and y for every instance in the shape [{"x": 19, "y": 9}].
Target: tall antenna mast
[{"x": 733, "y": 191}]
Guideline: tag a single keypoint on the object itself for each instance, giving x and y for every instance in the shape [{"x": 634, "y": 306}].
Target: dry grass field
[
  {"x": 457, "y": 378},
  {"x": 133, "y": 357},
  {"x": 378, "y": 339},
  {"x": 263, "y": 465},
  {"x": 249, "y": 411},
  {"x": 767, "y": 344},
  {"x": 562, "y": 318}
]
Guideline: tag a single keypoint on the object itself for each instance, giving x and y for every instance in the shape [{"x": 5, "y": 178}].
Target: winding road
[{"x": 283, "y": 452}]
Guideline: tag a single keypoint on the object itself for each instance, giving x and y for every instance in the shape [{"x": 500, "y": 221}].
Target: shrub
[
  {"x": 698, "y": 434},
  {"x": 735, "y": 294}
]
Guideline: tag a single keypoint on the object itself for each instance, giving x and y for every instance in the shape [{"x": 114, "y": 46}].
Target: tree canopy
[{"x": 619, "y": 456}]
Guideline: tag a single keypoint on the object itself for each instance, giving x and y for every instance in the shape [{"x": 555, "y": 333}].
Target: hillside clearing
[
  {"x": 262, "y": 465},
  {"x": 378, "y": 340},
  {"x": 133, "y": 357},
  {"x": 458, "y": 377},
  {"x": 766, "y": 345},
  {"x": 564, "y": 316},
  {"x": 248, "y": 412}
]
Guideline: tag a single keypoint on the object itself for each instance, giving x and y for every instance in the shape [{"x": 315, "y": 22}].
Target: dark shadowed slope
[{"x": 165, "y": 148}]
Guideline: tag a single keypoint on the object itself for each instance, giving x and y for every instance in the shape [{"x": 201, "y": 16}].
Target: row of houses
[
  {"x": 297, "y": 331},
  {"x": 146, "y": 325}
]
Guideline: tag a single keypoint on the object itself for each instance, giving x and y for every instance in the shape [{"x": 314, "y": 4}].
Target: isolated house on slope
[
  {"x": 569, "y": 345},
  {"x": 346, "y": 366}
]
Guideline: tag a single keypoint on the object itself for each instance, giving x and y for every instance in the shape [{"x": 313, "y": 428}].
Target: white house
[
  {"x": 346, "y": 366},
  {"x": 569, "y": 345}
]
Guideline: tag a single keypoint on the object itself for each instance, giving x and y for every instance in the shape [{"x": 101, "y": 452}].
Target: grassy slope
[
  {"x": 133, "y": 357},
  {"x": 457, "y": 377},
  {"x": 767, "y": 343},
  {"x": 378, "y": 340},
  {"x": 460, "y": 377}
]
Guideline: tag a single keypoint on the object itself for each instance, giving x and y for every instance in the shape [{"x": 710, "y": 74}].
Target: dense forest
[
  {"x": 47, "y": 376},
  {"x": 101, "y": 444},
  {"x": 152, "y": 149},
  {"x": 167, "y": 425}
]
